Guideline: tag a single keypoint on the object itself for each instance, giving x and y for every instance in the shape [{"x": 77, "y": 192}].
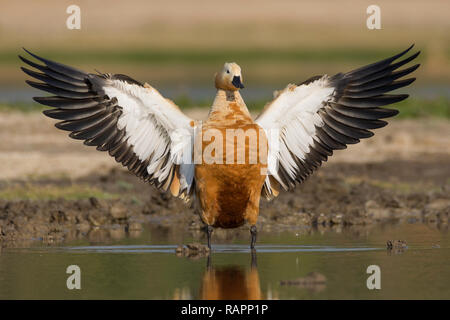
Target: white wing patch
[
  {"x": 293, "y": 118},
  {"x": 158, "y": 131}
]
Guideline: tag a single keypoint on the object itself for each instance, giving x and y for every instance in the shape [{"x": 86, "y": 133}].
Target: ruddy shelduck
[{"x": 225, "y": 164}]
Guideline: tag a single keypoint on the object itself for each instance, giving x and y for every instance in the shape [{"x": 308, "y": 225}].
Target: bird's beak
[{"x": 237, "y": 82}]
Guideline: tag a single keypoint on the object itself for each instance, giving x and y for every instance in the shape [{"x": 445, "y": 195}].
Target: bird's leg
[
  {"x": 253, "y": 232},
  {"x": 209, "y": 231}
]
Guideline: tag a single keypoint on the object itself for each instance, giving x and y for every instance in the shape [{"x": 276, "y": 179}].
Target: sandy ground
[{"x": 402, "y": 174}]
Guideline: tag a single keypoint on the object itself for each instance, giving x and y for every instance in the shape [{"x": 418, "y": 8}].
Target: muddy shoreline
[{"x": 339, "y": 196}]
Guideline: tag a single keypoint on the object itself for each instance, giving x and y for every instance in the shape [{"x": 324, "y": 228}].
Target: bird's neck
[{"x": 230, "y": 105}]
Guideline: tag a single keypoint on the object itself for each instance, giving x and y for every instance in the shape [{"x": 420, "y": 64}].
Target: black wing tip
[
  {"x": 389, "y": 114},
  {"x": 24, "y": 69},
  {"x": 401, "y": 54},
  {"x": 30, "y": 63},
  {"x": 37, "y": 99},
  {"x": 397, "y": 97},
  {"x": 38, "y": 85},
  {"x": 31, "y": 73},
  {"x": 415, "y": 67},
  {"x": 42, "y": 100},
  {"x": 58, "y": 67},
  {"x": 49, "y": 114},
  {"x": 407, "y": 50},
  {"x": 404, "y": 83},
  {"x": 380, "y": 65},
  {"x": 33, "y": 83},
  {"x": 59, "y": 125},
  {"x": 382, "y": 123},
  {"x": 410, "y": 80},
  {"x": 31, "y": 54},
  {"x": 398, "y": 55},
  {"x": 24, "y": 59},
  {"x": 415, "y": 55}
]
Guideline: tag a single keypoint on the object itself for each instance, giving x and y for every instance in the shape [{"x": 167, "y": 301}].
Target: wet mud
[{"x": 341, "y": 195}]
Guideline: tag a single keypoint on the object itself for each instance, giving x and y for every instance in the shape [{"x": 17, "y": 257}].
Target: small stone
[
  {"x": 96, "y": 220},
  {"x": 118, "y": 211},
  {"x": 117, "y": 233},
  {"x": 357, "y": 220},
  {"x": 303, "y": 218},
  {"x": 371, "y": 204},
  {"x": 194, "y": 225},
  {"x": 443, "y": 217},
  {"x": 84, "y": 227},
  {"x": 94, "y": 202},
  {"x": 197, "y": 247},
  {"x": 438, "y": 205},
  {"x": 431, "y": 217},
  {"x": 336, "y": 218},
  {"x": 98, "y": 203},
  {"x": 192, "y": 251},
  {"x": 396, "y": 244},
  {"x": 135, "y": 226},
  {"x": 379, "y": 213},
  {"x": 323, "y": 219}
]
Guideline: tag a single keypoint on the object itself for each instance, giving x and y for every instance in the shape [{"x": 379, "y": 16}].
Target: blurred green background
[{"x": 177, "y": 46}]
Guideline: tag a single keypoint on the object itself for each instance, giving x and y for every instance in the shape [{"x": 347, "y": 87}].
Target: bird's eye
[{"x": 228, "y": 71}]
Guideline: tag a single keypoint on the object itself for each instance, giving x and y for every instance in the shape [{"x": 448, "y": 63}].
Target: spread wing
[
  {"x": 141, "y": 129},
  {"x": 306, "y": 122}
]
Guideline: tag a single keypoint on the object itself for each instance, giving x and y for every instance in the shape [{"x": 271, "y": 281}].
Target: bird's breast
[{"x": 231, "y": 172}]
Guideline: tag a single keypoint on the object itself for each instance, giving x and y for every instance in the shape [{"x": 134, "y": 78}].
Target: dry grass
[{"x": 72, "y": 192}]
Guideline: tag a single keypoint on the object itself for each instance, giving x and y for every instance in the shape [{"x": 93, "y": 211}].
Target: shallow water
[{"x": 146, "y": 267}]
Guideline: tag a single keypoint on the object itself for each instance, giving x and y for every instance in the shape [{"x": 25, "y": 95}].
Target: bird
[{"x": 197, "y": 161}]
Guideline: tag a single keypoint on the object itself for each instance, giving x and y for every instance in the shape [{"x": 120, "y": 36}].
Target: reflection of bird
[
  {"x": 151, "y": 136},
  {"x": 231, "y": 282}
]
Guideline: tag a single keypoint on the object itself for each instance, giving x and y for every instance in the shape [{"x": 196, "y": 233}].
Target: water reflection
[
  {"x": 231, "y": 282},
  {"x": 227, "y": 282}
]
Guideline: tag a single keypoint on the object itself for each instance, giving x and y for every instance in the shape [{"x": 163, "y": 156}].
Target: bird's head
[{"x": 230, "y": 78}]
